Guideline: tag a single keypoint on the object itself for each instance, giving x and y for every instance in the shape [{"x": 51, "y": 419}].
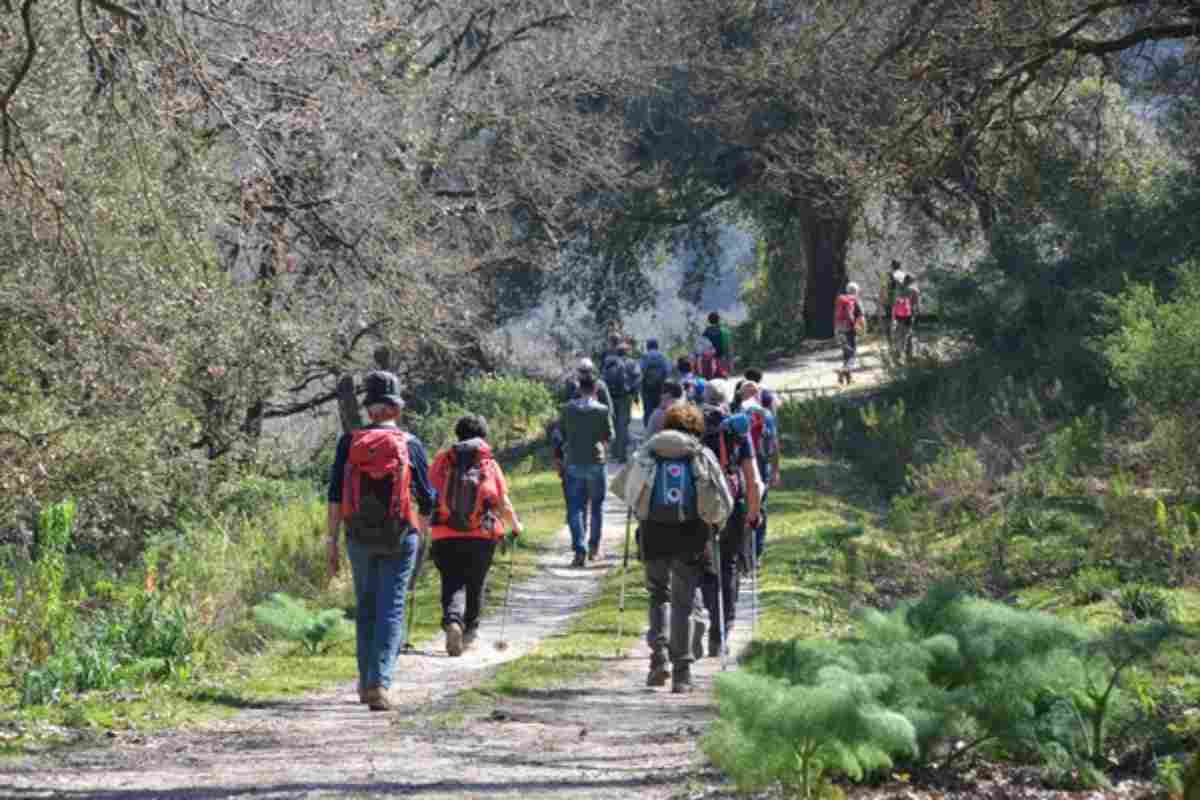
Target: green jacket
[{"x": 587, "y": 428}]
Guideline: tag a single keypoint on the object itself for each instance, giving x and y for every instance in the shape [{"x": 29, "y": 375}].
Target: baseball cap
[{"x": 382, "y": 387}]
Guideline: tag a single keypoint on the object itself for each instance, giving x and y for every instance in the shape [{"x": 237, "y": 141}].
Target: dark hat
[
  {"x": 652, "y": 344},
  {"x": 382, "y": 387}
]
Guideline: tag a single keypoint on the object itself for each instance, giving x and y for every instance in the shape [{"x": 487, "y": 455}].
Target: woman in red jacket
[{"x": 472, "y": 508}]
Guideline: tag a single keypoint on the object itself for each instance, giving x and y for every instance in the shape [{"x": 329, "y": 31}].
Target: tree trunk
[
  {"x": 348, "y": 404},
  {"x": 824, "y": 237}
]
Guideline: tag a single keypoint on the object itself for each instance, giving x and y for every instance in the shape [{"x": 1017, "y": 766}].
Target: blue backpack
[{"x": 673, "y": 497}]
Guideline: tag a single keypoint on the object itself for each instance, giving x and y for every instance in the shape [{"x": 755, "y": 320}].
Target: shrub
[
  {"x": 317, "y": 631},
  {"x": 1140, "y": 602},
  {"x": 1093, "y": 584},
  {"x": 811, "y": 425},
  {"x": 515, "y": 408},
  {"x": 41, "y": 620}
]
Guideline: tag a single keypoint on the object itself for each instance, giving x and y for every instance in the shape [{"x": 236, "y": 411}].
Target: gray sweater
[{"x": 587, "y": 428}]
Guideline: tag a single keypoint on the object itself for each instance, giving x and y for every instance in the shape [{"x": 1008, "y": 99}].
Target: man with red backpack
[
  {"x": 379, "y": 489},
  {"x": 905, "y": 306},
  {"x": 848, "y": 319},
  {"x": 472, "y": 508}
]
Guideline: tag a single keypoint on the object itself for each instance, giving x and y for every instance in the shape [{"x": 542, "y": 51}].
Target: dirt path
[
  {"x": 815, "y": 372},
  {"x": 606, "y": 735}
]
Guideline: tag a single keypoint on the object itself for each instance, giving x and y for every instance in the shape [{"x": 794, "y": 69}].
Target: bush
[
  {"x": 1142, "y": 602},
  {"x": 516, "y": 409},
  {"x": 287, "y": 617},
  {"x": 953, "y": 668}
]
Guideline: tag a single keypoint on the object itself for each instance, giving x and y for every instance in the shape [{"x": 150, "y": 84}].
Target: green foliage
[
  {"x": 883, "y": 446},
  {"x": 797, "y": 734},
  {"x": 811, "y": 425},
  {"x": 954, "y": 668},
  {"x": 41, "y": 620},
  {"x": 1140, "y": 602},
  {"x": 288, "y": 618},
  {"x": 516, "y": 409},
  {"x": 1093, "y": 584}
]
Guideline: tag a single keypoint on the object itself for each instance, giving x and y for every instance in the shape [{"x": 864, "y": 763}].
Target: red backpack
[
  {"x": 467, "y": 480},
  {"x": 843, "y": 315},
  {"x": 376, "y": 487},
  {"x": 711, "y": 366},
  {"x": 902, "y": 306}
]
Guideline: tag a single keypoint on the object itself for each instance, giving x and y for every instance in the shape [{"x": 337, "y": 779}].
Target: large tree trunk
[{"x": 824, "y": 237}]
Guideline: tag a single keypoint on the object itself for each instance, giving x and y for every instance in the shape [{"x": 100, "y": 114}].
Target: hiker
[
  {"x": 892, "y": 279},
  {"x": 672, "y": 393},
  {"x": 751, "y": 375},
  {"x": 677, "y": 490},
  {"x": 709, "y": 364},
  {"x": 571, "y": 388},
  {"x": 611, "y": 346},
  {"x": 624, "y": 379},
  {"x": 722, "y": 342},
  {"x": 379, "y": 487},
  {"x": 848, "y": 320},
  {"x": 728, "y": 437},
  {"x": 473, "y": 507},
  {"x": 656, "y": 369},
  {"x": 587, "y": 428},
  {"x": 764, "y": 437},
  {"x": 905, "y": 307}
]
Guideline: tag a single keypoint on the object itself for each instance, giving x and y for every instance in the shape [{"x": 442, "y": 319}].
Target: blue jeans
[
  {"x": 760, "y": 533},
  {"x": 380, "y": 589},
  {"x": 586, "y": 484}
]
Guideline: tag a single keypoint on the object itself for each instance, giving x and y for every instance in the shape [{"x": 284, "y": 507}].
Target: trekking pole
[
  {"x": 410, "y": 606},
  {"x": 624, "y": 569},
  {"x": 502, "y": 643},
  {"x": 720, "y": 598}
]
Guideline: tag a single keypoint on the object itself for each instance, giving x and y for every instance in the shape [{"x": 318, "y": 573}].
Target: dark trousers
[
  {"x": 728, "y": 581},
  {"x": 651, "y": 397},
  {"x": 849, "y": 340},
  {"x": 464, "y": 565}
]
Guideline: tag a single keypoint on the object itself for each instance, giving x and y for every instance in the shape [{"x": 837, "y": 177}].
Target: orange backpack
[
  {"x": 467, "y": 480},
  {"x": 376, "y": 487}
]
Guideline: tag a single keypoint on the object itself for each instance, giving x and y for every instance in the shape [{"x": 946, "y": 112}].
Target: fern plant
[
  {"x": 317, "y": 631},
  {"x": 770, "y": 731}
]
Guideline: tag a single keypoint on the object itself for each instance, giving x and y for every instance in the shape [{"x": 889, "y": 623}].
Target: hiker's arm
[
  {"x": 422, "y": 491},
  {"x": 333, "y": 516},
  {"x": 610, "y": 428},
  {"x": 508, "y": 514},
  {"x": 776, "y": 473}
]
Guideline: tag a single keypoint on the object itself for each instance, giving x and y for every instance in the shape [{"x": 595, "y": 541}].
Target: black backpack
[
  {"x": 614, "y": 375},
  {"x": 656, "y": 371}
]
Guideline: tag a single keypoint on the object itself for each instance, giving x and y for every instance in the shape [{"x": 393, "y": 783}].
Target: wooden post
[{"x": 348, "y": 404}]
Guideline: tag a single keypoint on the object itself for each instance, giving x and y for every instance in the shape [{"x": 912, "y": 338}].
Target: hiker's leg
[
  {"x": 597, "y": 488},
  {"x": 658, "y": 586},
  {"x": 479, "y": 561},
  {"x": 733, "y": 545},
  {"x": 851, "y": 350},
  {"x": 577, "y": 494},
  {"x": 844, "y": 341},
  {"x": 364, "y": 607},
  {"x": 685, "y": 576},
  {"x": 621, "y": 413},
  {"x": 394, "y": 574},
  {"x": 448, "y": 557},
  {"x": 760, "y": 533}
]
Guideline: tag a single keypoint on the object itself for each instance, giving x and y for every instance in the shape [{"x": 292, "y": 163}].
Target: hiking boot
[
  {"x": 362, "y": 694},
  {"x": 658, "y": 674},
  {"x": 454, "y": 639},
  {"x": 579, "y": 559},
  {"x": 698, "y": 631},
  {"x": 377, "y": 699},
  {"x": 593, "y": 551},
  {"x": 470, "y": 639},
  {"x": 681, "y": 679}
]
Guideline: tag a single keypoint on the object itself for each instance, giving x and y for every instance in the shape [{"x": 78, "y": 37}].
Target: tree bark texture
[
  {"x": 825, "y": 238},
  {"x": 348, "y": 404}
]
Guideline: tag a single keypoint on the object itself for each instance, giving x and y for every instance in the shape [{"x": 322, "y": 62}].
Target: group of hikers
[
  {"x": 899, "y": 304},
  {"x": 697, "y": 483}
]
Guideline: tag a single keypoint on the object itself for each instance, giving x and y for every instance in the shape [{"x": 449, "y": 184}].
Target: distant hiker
[
  {"x": 672, "y": 393},
  {"x": 656, "y": 369},
  {"x": 587, "y": 428},
  {"x": 708, "y": 363},
  {"x": 848, "y": 319},
  {"x": 728, "y": 437},
  {"x": 751, "y": 375},
  {"x": 611, "y": 344},
  {"x": 722, "y": 342},
  {"x": 893, "y": 278},
  {"x": 624, "y": 379},
  {"x": 764, "y": 436},
  {"x": 676, "y": 489},
  {"x": 379, "y": 487},
  {"x": 473, "y": 507},
  {"x": 905, "y": 307},
  {"x": 571, "y": 389}
]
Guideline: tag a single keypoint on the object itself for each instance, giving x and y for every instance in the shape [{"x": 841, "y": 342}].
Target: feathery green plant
[{"x": 318, "y": 631}]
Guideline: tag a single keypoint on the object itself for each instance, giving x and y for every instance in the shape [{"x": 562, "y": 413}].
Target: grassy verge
[{"x": 242, "y": 670}]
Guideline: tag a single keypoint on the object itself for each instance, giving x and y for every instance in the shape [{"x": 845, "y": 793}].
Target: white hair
[
  {"x": 586, "y": 363},
  {"x": 716, "y": 392},
  {"x": 852, "y": 287}
]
